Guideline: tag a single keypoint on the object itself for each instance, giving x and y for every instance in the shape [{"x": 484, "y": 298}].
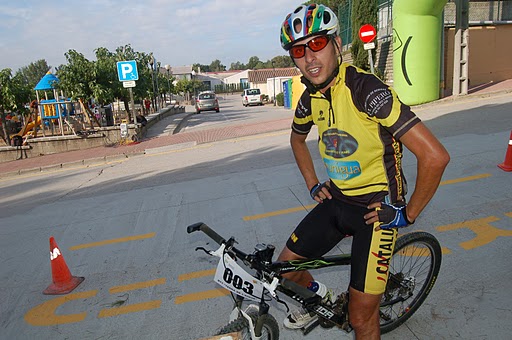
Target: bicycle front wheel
[
  {"x": 269, "y": 331},
  {"x": 413, "y": 271}
]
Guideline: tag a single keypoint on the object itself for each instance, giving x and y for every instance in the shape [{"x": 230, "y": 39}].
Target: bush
[{"x": 280, "y": 99}]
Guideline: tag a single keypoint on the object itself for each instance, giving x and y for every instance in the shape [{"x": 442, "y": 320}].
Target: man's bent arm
[
  {"x": 303, "y": 159},
  {"x": 432, "y": 159}
]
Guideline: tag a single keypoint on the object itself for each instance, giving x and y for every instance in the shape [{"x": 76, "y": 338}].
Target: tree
[
  {"x": 363, "y": 12},
  {"x": 145, "y": 87},
  {"x": 84, "y": 79},
  {"x": 106, "y": 84},
  {"x": 237, "y": 66},
  {"x": 216, "y": 66},
  {"x": 78, "y": 77},
  {"x": 282, "y": 61},
  {"x": 14, "y": 94},
  {"x": 33, "y": 73},
  {"x": 253, "y": 62},
  {"x": 200, "y": 67},
  {"x": 165, "y": 84}
]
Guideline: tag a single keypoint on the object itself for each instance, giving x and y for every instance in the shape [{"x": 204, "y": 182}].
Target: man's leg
[
  {"x": 315, "y": 235},
  {"x": 363, "y": 311},
  {"x": 301, "y": 277}
]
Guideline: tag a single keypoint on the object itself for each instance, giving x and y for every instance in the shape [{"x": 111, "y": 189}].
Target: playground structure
[
  {"x": 58, "y": 124},
  {"x": 57, "y": 115}
]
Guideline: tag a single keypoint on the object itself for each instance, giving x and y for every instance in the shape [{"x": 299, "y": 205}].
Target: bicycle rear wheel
[
  {"x": 413, "y": 271},
  {"x": 270, "y": 329}
]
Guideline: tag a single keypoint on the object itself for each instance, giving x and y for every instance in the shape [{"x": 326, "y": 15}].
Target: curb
[
  {"x": 179, "y": 126},
  {"x": 452, "y": 99},
  {"x": 172, "y": 147},
  {"x": 84, "y": 162}
]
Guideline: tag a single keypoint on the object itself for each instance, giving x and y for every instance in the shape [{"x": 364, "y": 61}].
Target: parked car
[
  {"x": 252, "y": 97},
  {"x": 207, "y": 101}
]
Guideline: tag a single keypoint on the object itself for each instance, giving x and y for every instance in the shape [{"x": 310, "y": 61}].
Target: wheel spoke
[{"x": 414, "y": 265}]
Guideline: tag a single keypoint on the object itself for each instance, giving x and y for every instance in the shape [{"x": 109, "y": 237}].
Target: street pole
[
  {"x": 193, "y": 73},
  {"x": 132, "y": 103},
  {"x": 274, "y": 81},
  {"x": 153, "y": 82},
  {"x": 168, "y": 68},
  {"x": 157, "y": 94},
  {"x": 370, "y": 58}
]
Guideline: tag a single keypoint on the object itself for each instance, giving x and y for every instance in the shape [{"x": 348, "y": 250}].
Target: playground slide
[{"x": 28, "y": 127}]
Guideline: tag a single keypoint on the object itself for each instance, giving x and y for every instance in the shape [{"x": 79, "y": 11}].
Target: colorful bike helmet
[{"x": 306, "y": 21}]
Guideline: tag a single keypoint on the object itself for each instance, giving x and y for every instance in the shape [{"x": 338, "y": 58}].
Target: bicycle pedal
[
  {"x": 310, "y": 326},
  {"x": 324, "y": 323},
  {"x": 346, "y": 327}
]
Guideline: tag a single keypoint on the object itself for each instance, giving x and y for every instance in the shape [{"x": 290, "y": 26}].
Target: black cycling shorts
[{"x": 328, "y": 223}]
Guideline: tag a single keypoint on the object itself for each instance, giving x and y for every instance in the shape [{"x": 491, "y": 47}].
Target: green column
[{"x": 417, "y": 36}]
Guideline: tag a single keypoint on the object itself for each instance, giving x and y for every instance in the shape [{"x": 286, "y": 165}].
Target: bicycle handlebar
[
  {"x": 254, "y": 262},
  {"x": 200, "y": 226}
]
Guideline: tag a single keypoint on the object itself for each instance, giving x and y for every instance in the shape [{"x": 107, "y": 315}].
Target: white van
[{"x": 252, "y": 97}]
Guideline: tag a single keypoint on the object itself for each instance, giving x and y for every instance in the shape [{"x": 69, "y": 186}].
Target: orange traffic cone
[
  {"x": 63, "y": 281},
  {"x": 507, "y": 164}
]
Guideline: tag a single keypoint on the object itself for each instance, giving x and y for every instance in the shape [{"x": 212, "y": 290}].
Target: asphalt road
[{"x": 122, "y": 226}]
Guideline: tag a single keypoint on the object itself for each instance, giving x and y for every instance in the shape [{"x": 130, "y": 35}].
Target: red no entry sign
[{"x": 367, "y": 33}]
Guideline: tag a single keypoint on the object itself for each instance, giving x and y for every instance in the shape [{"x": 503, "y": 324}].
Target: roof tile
[{"x": 261, "y": 76}]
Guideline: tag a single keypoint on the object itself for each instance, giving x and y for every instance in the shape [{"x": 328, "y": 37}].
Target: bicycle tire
[
  {"x": 270, "y": 330},
  {"x": 416, "y": 261}
]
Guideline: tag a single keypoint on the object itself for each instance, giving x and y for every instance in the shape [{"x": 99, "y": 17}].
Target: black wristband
[{"x": 314, "y": 190}]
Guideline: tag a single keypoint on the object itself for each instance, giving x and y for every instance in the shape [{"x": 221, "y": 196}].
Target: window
[
  {"x": 207, "y": 96},
  {"x": 253, "y": 91}
]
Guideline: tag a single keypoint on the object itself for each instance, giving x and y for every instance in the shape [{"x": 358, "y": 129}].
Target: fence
[
  {"x": 481, "y": 12},
  {"x": 230, "y": 88},
  {"x": 384, "y": 26}
]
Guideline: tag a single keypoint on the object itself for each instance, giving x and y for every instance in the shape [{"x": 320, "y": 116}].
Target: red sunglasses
[{"x": 315, "y": 45}]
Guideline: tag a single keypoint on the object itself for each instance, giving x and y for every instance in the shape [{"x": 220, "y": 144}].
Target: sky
[{"x": 178, "y": 32}]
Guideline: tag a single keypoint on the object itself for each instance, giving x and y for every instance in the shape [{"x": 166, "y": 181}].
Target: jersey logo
[
  {"x": 321, "y": 116},
  {"x": 339, "y": 144},
  {"x": 302, "y": 110},
  {"x": 342, "y": 170},
  {"x": 379, "y": 102}
]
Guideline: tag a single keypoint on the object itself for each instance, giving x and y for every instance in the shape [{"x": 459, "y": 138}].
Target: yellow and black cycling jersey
[{"x": 360, "y": 121}]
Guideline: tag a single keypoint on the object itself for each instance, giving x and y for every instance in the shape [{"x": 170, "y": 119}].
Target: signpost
[
  {"x": 367, "y": 33},
  {"x": 127, "y": 73}
]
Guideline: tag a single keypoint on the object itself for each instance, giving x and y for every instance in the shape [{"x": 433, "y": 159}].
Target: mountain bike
[{"x": 413, "y": 271}]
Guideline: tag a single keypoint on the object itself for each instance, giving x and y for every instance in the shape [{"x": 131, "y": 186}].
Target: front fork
[{"x": 262, "y": 309}]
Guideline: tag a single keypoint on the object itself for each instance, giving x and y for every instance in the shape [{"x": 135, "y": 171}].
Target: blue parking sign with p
[{"x": 127, "y": 70}]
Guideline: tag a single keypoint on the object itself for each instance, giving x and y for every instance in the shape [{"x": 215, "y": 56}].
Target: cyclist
[{"x": 361, "y": 125}]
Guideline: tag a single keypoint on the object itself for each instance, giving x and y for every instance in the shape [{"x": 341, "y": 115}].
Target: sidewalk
[{"x": 107, "y": 154}]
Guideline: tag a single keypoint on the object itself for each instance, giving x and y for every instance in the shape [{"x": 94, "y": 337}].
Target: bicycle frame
[
  {"x": 283, "y": 267},
  {"x": 271, "y": 275}
]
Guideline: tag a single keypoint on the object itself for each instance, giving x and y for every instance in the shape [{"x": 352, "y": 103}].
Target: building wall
[
  {"x": 261, "y": 86},
  {"x": 297, "y": 90},
  {"x": 210, "y": 81},
  {"x": 236, "y": 78},
  {"x": 278, "y": 82},
  {"x": 489, "y": 55}
]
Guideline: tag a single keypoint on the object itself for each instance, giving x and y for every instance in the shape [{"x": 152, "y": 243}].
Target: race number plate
[{"x": 235, "y": 279}]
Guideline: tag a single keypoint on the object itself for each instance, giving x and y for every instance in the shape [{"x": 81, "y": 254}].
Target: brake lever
[{"x": 209, "y": 252}]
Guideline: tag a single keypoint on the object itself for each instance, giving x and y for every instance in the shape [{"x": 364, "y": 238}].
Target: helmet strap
[{"x": 313, "y": 88}]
